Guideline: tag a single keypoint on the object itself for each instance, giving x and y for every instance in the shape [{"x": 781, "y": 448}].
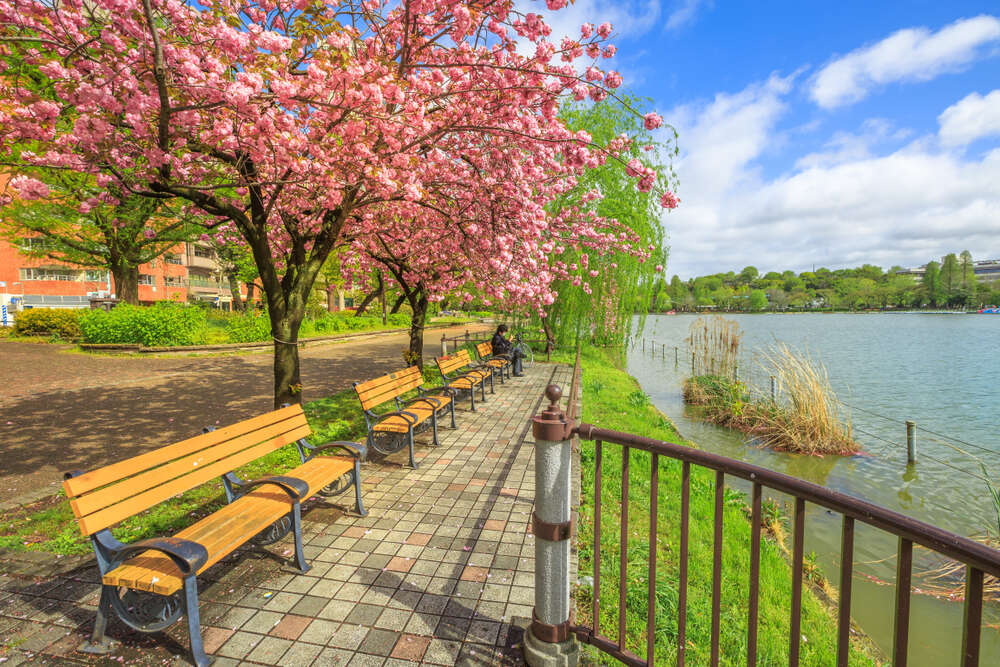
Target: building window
[
  {"x": 171, "y": 258},
  {"x": 203, "y": 252},
  {"x": 37, "y": 243},
  {"x": 146, "y": 279},
  {"x": 94, "y": 276},
  {"x": 173, "y": 281},
  {"x": 50, "y": 274}
]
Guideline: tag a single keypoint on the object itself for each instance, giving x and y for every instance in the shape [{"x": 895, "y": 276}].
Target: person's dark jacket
[{"x": 500, "y": 344}]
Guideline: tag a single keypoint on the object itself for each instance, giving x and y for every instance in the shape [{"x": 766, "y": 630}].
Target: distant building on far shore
[{"x": 986, "y": 270}]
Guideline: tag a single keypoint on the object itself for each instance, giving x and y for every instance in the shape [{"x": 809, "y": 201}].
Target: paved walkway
[
  {"x": 439, "y": 572},
  {"x": 61, "y": 410}
]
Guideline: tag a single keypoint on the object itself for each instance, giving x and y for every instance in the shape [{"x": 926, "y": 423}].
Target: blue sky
[{"x": 819, "y": 133}]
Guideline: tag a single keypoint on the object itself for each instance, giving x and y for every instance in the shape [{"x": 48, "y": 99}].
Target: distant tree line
[{"x": 950, "y": 283}]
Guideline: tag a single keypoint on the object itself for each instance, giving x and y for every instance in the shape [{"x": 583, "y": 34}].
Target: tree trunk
[
  {"x": 418, "y": 302},
  {"x": 287, "y": 379},
  {"x": 371, "y": 296},
  {"x": 234, "y": 289},
  {"x": 399, "y": 303},
  {"x": 126, "y": 277},
  {"x": 250, "y": 289}
]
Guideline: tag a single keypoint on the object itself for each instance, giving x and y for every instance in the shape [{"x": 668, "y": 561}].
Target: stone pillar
[
  {"x": 444, "y": 345},
  {"x": 549, "y": 642}
]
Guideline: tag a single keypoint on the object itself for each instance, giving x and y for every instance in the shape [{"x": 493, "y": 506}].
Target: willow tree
[{"x": 609, "y": 294}]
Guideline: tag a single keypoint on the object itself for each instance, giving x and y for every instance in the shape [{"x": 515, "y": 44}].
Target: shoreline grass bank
[{"x": 613, "y": 399}]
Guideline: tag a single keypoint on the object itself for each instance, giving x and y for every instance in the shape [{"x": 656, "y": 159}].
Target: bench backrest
[
  {"x": 387, "y": 387},
  {"x": 454, "y": 362},
  {"x": 103, "y": 497},
  {"x": 484, "y": 350}
]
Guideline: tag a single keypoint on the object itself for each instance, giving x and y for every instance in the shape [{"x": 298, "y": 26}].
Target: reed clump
[
  {"x": 807, "y": 420},
  {"x": 715, "y": 346}
]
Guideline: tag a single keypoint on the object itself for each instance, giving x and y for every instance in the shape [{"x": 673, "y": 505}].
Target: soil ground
[{"x": 63, "y": 410}]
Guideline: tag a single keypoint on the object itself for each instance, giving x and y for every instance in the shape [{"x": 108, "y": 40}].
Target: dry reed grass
[
  {"x": 715, "y": 343},
  {"x": 810, "y": 421}
]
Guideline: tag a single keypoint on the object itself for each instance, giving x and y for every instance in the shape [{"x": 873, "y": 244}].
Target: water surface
[{"x": 940, "y": 371}]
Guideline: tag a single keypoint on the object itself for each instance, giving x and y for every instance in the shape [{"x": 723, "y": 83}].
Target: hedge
[
  {"x": 161, "y": 324},
  {"x": 62, "y": 322}
]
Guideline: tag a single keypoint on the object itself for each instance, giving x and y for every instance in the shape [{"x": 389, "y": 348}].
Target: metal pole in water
[
  {"x": 692, "y": 363},
  {"x": 774, "y": 389},
  {"x": 676, "y": 356},
  {"x": 911, "y": 443}
]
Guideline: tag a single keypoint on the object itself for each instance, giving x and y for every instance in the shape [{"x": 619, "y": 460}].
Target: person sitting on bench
[{"x": 503, "y": 348}]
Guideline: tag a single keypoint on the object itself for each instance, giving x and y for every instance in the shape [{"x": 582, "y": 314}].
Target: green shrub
[
  {"x": 249, "y": 327},
  {"x": 163, "y": 324},
  {"x": 399, "y": 319},
  {"x": 61, "y": 322}
]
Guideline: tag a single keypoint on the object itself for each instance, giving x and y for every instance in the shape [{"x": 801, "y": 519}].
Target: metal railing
[{"x": 979, "y": 560}]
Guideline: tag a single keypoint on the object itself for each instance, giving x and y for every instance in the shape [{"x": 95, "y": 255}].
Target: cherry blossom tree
[{"x": 294, "y": 122}]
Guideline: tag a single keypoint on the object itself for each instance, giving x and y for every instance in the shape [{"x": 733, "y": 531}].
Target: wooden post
[
  {"x": 692, "y": 364},
  {"x": 444, "y": 345},
  {"x": 676, "y": 356},
  {"x": 911, "y": 443},
  {"x": 774, "y": 389}
]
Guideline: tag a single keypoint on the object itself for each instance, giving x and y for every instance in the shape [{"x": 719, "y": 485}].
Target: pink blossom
[
  {"x": 652, "y": 120},
  {"x": 29, "y": 188},
  {"x": 613, "y": 79},
  {"x": 609, "y": 51},
  {"x": 149, "y": 233},
  {"x": 586, "y": 30},
  {"x": 658, "y": 268},
  {"x": 669, "y": 200},
  {"x": 604, "y": 29},
  {"x": 555, "y": 4}
]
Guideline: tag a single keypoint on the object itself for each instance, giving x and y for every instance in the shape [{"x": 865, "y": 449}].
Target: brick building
[{"x": 188, "y": 272}]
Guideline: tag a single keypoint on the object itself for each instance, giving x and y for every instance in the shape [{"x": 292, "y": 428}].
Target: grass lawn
[{"x": 613, "y": 399}]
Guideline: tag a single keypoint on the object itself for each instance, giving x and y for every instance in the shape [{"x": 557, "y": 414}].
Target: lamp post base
[{"x": 543, "y": 654}]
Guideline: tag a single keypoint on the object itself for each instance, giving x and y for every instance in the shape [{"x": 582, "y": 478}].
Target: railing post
[
  {"x": 549, "y": 641},
  {"x": 444, "y": 345},
  {"x": 911, "y": 443}
]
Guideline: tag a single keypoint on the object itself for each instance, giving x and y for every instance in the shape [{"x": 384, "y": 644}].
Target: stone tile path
[{"x": 440, "y": 571}]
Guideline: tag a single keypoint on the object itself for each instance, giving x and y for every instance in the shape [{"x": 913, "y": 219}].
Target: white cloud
[
  {"x": 971, "y": 118},
  {"x": 864, "y": 199},
  {"x": 913, "y": 54},
  {"x": 683, "y": 14}
]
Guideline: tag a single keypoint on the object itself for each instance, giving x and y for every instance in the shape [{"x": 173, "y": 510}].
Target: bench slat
[
  {"x": 113, "y": 493},
  {"x": 89, "y": 481},
  {"x": 407, "y": 374},
  {"x": 374, "y": 398},
  {"x": 225, "y": 530},
  {"x": 377, "y": 391},
  {"x": 111, "y": 515},
  {"x": 455, "y": 361}
]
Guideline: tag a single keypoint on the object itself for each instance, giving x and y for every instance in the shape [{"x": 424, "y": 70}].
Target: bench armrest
[
  {"x": 296, "y": 488},
  {"x": 401, "y": 413},
  {"x": 188, "y": 556},
  {"x": 358, "y": 451},
  {"x": 443, "y": 389},
  {"x": 430, "y": 400}
]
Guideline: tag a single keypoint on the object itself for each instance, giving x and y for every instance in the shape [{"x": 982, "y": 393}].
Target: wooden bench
[
  {"x": 151, "y": 583},
  {"x": 451, "y": 367},
  {"x": 386, "y": 429},
  {"x": 500, "y": 362}
]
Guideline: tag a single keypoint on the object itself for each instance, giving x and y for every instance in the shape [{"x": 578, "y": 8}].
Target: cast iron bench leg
[
  {"x": 99, "y": 644},
  {"x": 194, "y": 622},
  {"x": 357, "y": 488},
  {"x": 300, "y": 556},
  {"x": 413, "y": 463}
]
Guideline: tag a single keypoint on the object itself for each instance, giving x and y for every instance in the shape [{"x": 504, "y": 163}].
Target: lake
[{"x": 940, "y": 371}]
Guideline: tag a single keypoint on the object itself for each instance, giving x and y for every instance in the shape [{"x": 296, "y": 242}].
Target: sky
[{"x": 817, "y": 133}]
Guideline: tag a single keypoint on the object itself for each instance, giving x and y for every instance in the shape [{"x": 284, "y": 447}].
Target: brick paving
[{"x": 440, "y": 572}]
